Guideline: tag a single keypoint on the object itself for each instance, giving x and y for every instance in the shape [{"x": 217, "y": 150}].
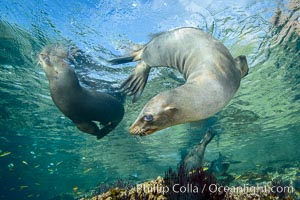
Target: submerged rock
[
  {"x": 286, "y": 25},
  {"x": 149, "y": 190}
]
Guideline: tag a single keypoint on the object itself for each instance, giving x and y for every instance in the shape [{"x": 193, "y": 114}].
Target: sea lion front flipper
[
  {"x": 135, "y": 83},
  {"x": 242, "y": 65}
]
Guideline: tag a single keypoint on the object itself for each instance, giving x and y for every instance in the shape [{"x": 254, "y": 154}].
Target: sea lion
[
  {"x": 212, "y": 77},
  {"x": 195, "y": 158},
  {"x": 81, "y": 105}
]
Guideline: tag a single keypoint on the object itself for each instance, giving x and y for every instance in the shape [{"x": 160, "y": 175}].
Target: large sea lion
[
  {"x": 81, "y": 105},
  {"x": 212, "y": 77}
]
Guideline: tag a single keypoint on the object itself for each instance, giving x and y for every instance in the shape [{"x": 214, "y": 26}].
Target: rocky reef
[
  {"x": 199, "y": 184},
  {"x": 286, "y": 25}
]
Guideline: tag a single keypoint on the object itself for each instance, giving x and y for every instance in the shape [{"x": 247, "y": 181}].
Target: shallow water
[{"x": 44, "y": 155}]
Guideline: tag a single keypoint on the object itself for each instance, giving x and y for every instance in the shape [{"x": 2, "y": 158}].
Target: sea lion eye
[
  {"x": 45, "y": 58},
  {"x": 148, "y": 118}
]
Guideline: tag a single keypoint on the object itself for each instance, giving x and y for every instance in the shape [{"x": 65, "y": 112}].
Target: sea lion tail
[{"x": 242, "y": 65}]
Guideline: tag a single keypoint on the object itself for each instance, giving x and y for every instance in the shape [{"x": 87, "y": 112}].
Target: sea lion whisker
[
  {"x": 141, "y": 133},
  {"x": 138, "y": 138}
]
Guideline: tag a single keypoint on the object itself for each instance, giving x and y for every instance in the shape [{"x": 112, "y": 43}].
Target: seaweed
[
  {"x": 194, "y": 184},
  {"x": 178, "y": 184}
]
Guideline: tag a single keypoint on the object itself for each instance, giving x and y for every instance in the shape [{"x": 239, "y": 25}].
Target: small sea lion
[
  {"x": 195, "y": 158},
  {"x": 81, "y": 105},
  {"x": 220, "y": 166},
  {"x": 212, "y": 77}
]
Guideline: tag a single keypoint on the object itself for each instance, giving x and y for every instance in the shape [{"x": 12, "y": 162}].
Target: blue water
[{"x": 44, "y": 155}]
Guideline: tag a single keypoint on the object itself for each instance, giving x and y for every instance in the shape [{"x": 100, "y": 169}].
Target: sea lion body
[
  {"x": 212, "y": 77},
  {"x": 81, "y": 105}
]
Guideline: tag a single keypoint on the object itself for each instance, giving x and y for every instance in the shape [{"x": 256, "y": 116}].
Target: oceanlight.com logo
[{"x": 214, "y": 188}]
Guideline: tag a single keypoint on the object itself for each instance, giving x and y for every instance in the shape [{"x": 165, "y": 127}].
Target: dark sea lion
[
  {"x": 195, "y": 158},
  {"x": 81, "y": 105},
  {"x": 220, "y": 166},
  {"x": 212, "y": 77}
]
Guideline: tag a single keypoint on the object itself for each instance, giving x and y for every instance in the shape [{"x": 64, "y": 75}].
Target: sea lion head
[
  {"x": 53, "y": 59},
  {"x": 156, "y": 115}
]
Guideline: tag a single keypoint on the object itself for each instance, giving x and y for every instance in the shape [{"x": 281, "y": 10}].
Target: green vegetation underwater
[{"x": 44, "y": 156}]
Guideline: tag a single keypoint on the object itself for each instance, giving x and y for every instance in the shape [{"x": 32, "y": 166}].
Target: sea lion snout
[
  {"x": 154, "y": 119},
  {"x": 144, "y": 125},
  {"x": 141, "y": 129}
]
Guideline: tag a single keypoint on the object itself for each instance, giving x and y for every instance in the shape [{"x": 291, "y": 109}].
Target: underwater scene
[{"x": 49, "y": 151}]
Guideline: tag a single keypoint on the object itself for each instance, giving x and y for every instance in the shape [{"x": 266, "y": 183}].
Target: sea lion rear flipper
[
  {"x": 106, "y": 129},
  {"x": 122, "y": 60},
  {"x": 242, "y": 65},
  {"x": 135, "y": 83},
  {"x": 135, "y": 56},
  {"x": 88, "y": 127},
  {"x": 93, "y": 129}
]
